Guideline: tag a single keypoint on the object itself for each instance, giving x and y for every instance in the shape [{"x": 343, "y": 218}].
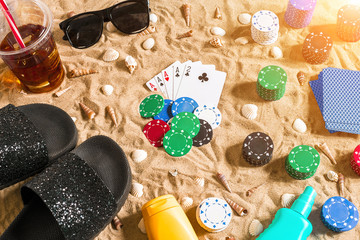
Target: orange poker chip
[
  {"x": 155, "y": 131},
  {"x": 317, "y": 47}
]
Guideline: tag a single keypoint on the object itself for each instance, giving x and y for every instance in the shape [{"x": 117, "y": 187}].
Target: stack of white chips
[{"x": 265, "y": 27}]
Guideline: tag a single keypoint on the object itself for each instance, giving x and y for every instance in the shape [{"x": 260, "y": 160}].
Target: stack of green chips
[
  {"x": 302, "y": 162},
  {"x": 271, "y": 83}
]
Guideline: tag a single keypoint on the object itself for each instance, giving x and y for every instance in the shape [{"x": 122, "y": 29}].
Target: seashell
[
  {"x": 255, "y": 228},
  {"x": 217, "y": 13},
  {"x": 130, "y": 64},
  {"x": 117, "y": 223},
  {"x": 61, "y": 92},
  {"x": 287, "y": 200},
  {"x": 137, "y": 189},
  {"x": 107, "y": 89},
  {"x": 301, "y": 78},
  {"x": 110, "y": 27},
  {"x": 185, "y": 35},
  {"x": 244, "y": 18},
  {"x": 249, "y": 111},
  {"x": 110, "y": 55},
  {"x": 78, "y": 72},
  {"x": 153, "y": 18},
  {"x": 23, "y": 92},
  {"x": 216, "y": 42},
  {"x": 276, "y": 52},
  {"x": 147, "y": 31},
  {"x": 237, "y": 208},
  {"x": 187, "y": 11},
  {"x": 332, "y": 176},
  {"x": 223, "y": 180},
  {"x": 112, "y": 114},
  {"x": 74, "y": 119},
  {"x": 70, "y": 14},
  {"x": 199, "y": 181},
  {"x": 299, "y": 126},
  {"x": 139, "y": 155},
  {"x": 89, "y": 113},
  {"x": 325, "y": 149},
  {"x": 217, "y": 31},
  {"x": 174, "y": 172},
  {"x": 186, "y": 203},
  {"x": 242, "y": 40},
  {"x": 341, "y": 183},
  {"x": 141, "y": 226},
  {"x": 148, "y": 44},
  {"x": 252, "y": 190}
]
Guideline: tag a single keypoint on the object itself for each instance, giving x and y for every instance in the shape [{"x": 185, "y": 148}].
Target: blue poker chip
[
  {"x": 339, "y": 214},
  {"x": 165, "y": 113},
  {"x": 183, "y": 104}
]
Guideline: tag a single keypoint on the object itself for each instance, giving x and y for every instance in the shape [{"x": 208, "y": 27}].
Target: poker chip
[
  {"x": 271, "y": 83},
  {"x": 348, "y": 23},
  {"x": 299, "y": 13},
  {"x": 155, "y": 131},
  {"x": 151, "y": 106},
  {"x": 302, "y": 162},
  {"x": 186, "y": 121},
  {"x": 339, "y": 214},
  {"x": 183, "y": 104},
  {"x": 205, "y": 134},
  {"x": 165, "y": 113},
  {"x": 355, "y": 160},
  {"x": 258, "y": 148},
  {"x": 177, "y": 143},
  {"x": 316, "y": 48},
  {"x": 214, "y": 214},
  {"x": 211, "y": 114},
  {"x": 265, "y": 27}
]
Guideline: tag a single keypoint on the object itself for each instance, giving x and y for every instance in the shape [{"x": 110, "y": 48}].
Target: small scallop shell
[
  {"x": 276, "y": 52},
  {"x": 244, "y": 18},
  {"x": 287, "y": 200},
  {"x": 137, "y": 190},
  {"x": 110, "y": 55},
  {"x": 139, "y": 155},
  {"x": 217, "y": 31},
  {"x": 216, "y": 42},
  {"x": 110, "y": 27},
  {"x": 299, "y": 126},
  {"x": 332, "y": 176},
  {"x": 107, "y": 89},
  {"x": 199, "y": 181},
  {"x": 242, "y": 40},
  {"x": 255, "y": 228},
  {"x": 186, "y": 203},
  {"x": 141, "y": 226},
  {"x": 249, "y": 111},
  {"x": 148, "y": 44},
  {"x": 153, "y": 18}
]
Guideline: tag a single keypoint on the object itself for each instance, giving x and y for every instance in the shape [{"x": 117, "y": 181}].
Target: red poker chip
[
  {"x": 355, "y": 160},
  {"x": 155, "y": 131}
]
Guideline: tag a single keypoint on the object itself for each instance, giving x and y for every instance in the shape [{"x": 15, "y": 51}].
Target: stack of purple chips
[{"x": 299, "y": 13}]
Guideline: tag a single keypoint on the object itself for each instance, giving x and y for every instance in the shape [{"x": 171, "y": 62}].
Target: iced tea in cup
[{"x": 38, "y": 65}]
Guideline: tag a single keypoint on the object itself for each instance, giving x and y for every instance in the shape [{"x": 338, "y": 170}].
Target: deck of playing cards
[{"x": 337, "y": 94}]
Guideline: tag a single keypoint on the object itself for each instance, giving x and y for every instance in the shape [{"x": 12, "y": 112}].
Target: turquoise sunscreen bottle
[{"x": 291, "y": 223}]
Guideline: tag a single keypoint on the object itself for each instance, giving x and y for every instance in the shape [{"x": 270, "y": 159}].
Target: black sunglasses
[{"x": 85, "y": 29}]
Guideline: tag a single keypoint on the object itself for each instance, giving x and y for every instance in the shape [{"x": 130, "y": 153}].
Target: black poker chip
[
  {"x": 258, "y": 148},
  {"x": 205, "y": 134}
]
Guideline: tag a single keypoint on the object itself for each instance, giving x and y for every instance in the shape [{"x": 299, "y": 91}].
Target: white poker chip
[
  {"x": 211, "y": 114},
  {"x": 265, "y": 27},
  {"x": 214, "y": 214}
]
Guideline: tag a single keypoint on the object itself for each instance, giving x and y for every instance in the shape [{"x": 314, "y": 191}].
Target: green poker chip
[
  {"x": 177, "y": 143},
  {"x": 271, "y": 83},
  {"x": 151, "y": 106},
  {"x": 186, "y": 121}
]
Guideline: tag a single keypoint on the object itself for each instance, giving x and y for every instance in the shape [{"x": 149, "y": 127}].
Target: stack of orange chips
[
  {"x": 348, "y": 23},
  {"x": 317, "y": 47}
]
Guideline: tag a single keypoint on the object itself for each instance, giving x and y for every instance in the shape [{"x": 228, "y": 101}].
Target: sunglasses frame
[{"x": 105, "y": 16}]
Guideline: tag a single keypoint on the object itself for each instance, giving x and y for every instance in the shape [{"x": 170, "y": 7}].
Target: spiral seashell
[
  {"x": 199, "y": 181},
  {"x": 332, "y": 176},
  {"x": 110, "y": 27},
  {"x": 61, "y": 92},
  {"x": 139, "y": 155},
  {"x": 217, "y": 31},
  {"x": 249, "y": 111},
  {"x": 110, "y": 55},
  {"x": 130, "y": 64},
  {"x": 148, "y": 44},
  {"x": 299, "y": 126},
  {"x": 244, "y": 18},
  {"x": 153, "y": 18},
  {"x": 185, "y": 35},
  {"x": 341, "y": 183},
  {"x": 107, "y": 89},
  {"x": 301, "y": 78},
  {"x": 276, "y": 52},
  {"x": 237, "y": 208},
  {"x": 287, "y": 200},
  {"x": 112, "y": 114},
  {"x": 216, "y": 42},
  {"x": 255, "y": 228},
  {"x": 223, "y": 180},
  {"x": 78, "y": 72},
  {"x": 252, "y": 190},
  {"x": 141, "y": 226},
  {"x": 147, "y": 31},
  {"x": 174, "y": 172},
  {"x": 325, "y": 149},
  {"x": 242, "y": 40},
  {"x": 187, "y": 12},
  {"x": 116, "y": 223},
  {"x": 137, "y": 189},
  {"x": 89, "y": 113},
  {"x": 217, "y": 13},
  {"x": 186, "y": 203}
]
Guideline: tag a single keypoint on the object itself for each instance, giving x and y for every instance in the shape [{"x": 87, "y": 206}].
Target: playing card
[
  {"x": 167, "y": 75},
  {"x": 161, "y": 84},
  {"x": 152, "y": 85},
  {"x": 187, "y": 73},
  {"x": 178, "y": 71}
]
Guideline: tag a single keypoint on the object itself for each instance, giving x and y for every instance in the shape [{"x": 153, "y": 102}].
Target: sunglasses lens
[
  {"x": 85, "y": 30},
  {"x": 130, "y": 17}
]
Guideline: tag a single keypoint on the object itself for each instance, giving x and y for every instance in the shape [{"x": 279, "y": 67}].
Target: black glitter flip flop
[
  {"x": 76, "y": 197},
  {"x": 31, "y": 138}
]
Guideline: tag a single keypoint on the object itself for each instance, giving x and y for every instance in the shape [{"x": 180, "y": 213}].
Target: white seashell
[
  {"x": 276, "y": 52},
  {"x": 186, "y": 202},
  {"x": 242, "y": 40},
  {"x": 217, "y": 31},
  {"x": 244, "y": 18},
  {"x": 332, "y": 176},
  {"x": 107, "y": 89},
  {"x": 74, "y": 119},
  {"x": 255, "y": 228},
  {"x": 130, "y": 63},
  {"x": 139, "y": 155},
  {"x": 199, "y": 181},
  {"x": 299, "y": 126},
  {"x": 249, "y": 111},
  {"x": 137, "y": 190},
  {"x": 153, "y": 18},
  {"x": 110, "y": 55},
  {"x": 110, "y": 27},
  {"x": 141, "y": 226},
  {"x": 287, "y": 200},
  {"x": 148, "y": 44},
  {"x": 174, "y": 172}
]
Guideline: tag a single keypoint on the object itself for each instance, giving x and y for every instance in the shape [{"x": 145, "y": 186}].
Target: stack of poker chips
[
  {"x": 339, "y": 214},
  {"x": 302, "y": 162},
  {"x": 265, "y": 27},
  {"x": 299, "y": 12},
  {"x": 316, "y": 48},
  {"x": 258, "y": 149},
  {"x": 355, "y": 160},
  {"x": 348, "y": 23},
  {"x": 271, "y": 83}
]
